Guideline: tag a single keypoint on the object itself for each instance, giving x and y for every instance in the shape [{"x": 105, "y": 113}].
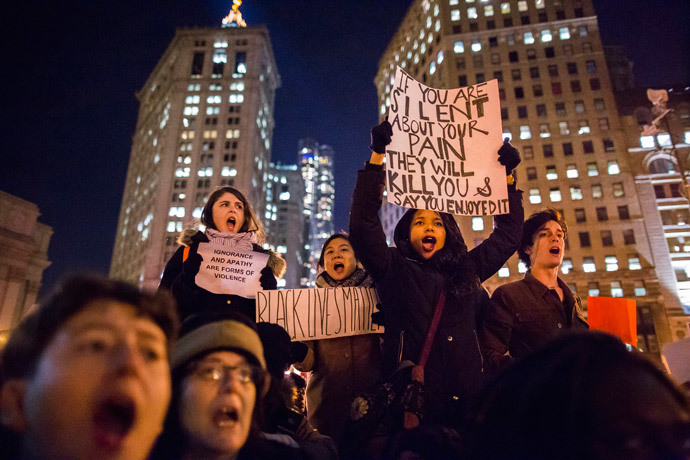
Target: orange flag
[{"x": 614, "y": 315}]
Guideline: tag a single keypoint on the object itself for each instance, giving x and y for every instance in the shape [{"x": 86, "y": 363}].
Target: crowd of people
[{"x": 104, "y": 370}]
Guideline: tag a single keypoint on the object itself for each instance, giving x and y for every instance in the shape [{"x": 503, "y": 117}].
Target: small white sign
[{"x": 227, "y": 270}]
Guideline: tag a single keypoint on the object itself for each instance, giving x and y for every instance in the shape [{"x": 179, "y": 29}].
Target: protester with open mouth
[
  {"x": 86, "y": 376},
  {"x": 526, "y": 314},
  {"x": 219, "y": 381},
  {"x": 430, "y": 257},
  {"x": 228, "y": 219},
  {"x": 340, "y": 367}
]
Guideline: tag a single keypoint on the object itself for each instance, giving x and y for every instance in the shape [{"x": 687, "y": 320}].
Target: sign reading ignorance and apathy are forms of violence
[
  {"x": 228, "y": 270},
  {"x": 321, "y": 313},
  {"x": 443, "y": 155}
]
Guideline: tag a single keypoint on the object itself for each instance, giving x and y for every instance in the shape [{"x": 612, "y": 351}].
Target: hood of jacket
[
  {"x": 401, "y": 235},
  {"x": 275, "y": 260}
]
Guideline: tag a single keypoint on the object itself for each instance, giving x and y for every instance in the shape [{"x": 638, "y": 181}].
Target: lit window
[
  {"x": 664, "y": 139},
  {"x": 566, "y": 266},
  {"x": 647, "y": 142},
  {"x": 584, "y": 127},
  {"x": 227, "y": 171},
  {"x": 551, "y": 173},
  {"x": 588, "y": 265},
  {"x": 528, "y": 38},
  {"x": 525, "y": 133},
  {"x": 539, "y": 3},
  {"x": 476, "y": 46},
  {"x": 454, "y": 15},
  {"x": 458, "y": 47},
  {"x": 453, "y": 2},
  {"x": 563, "y": 127},
  {"x": 489, "y": 11},
  {"x": 503, "y": 272},
  {"x": 575, "y": 192},
  {"x": 593, "y": 289},
  {"x": 522, "y": 268},
  {"x": 534, "y": 196},
  {"x": 197, "y": 213},
  {"x": 618, "y": 190},
  {"x": 613, "y": 167},
  {"x": 640, "y": 289},
  {"x": 439, "y": 57},
  {"x": 592, "y": 169},
  {"x": 596, "y": 191},
  {"x": 571, "y": 171},
  {"x": 522, "y": 5},
  {"x": 236, "y": 98},
  {"x": 564, "y": 33},
  {"x": 546, "y": 36},
  {"x": 544, "y": 130},
  {"x": 505, "y": 7},
  {"x": 508, "y": 134},
  {"x": 634, "y": 263},
  {"x": 686, "y": 136},
  {"x": 182, "y": 172},
  {"x": 555, "y": 195},
  {"x": 472, "y": 13},
  {"x": 477, "y": 223},
  {"x": 205, "y": 172},
  {"x": 432, "y": 68},
  {"x": 611, "y": 263},
  {"x": 616, "y": 289}
]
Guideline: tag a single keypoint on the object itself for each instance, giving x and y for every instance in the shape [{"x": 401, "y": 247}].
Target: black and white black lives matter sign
[
  {"x": 443, "y": 155},
  {"x": 322, "y": 313}
]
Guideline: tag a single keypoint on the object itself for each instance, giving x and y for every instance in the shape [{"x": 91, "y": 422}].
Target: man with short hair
[
  {"x": 87, "y": 375},
  {"x": 526, "y": 314}
]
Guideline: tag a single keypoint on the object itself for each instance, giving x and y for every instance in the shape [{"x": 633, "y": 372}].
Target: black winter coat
[
  {"x": 410, "y": 288},
  {"x": 192, "y": 299}
]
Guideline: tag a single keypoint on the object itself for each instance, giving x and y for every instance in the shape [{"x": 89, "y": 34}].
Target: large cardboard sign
[
  {"x": 615, "y": 315},
  {"x": 443, "y": 155},
  {"x": 313, "y": 314},
  {"x": 226, "y": 270}
]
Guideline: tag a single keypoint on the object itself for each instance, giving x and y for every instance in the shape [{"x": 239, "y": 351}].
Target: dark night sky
[{"x": 72, "y": 69}]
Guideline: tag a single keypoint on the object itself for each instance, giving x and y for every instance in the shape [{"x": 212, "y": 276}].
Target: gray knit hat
[{"x": 207, "y": 333}]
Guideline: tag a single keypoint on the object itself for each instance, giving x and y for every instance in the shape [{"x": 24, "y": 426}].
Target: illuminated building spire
[{"x": 234, "y": 18}]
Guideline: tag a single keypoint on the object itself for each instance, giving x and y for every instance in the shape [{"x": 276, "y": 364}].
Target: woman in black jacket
[
  {"x": 430, "y": 255},
  {"x": 229, "y": 219}
]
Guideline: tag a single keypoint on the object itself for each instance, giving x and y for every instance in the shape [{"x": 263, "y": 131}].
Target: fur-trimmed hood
[{"x": 275, "y": 260}]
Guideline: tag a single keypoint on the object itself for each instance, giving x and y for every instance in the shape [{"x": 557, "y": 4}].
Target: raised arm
[
  {"x": 492, "y": 253},
  {"x": 366, "y": 232}
]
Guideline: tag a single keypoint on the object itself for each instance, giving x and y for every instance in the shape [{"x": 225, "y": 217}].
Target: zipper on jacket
[{"x": 479, "y": 349}]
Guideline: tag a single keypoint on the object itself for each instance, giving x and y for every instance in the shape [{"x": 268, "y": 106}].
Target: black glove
[
  {"x": 190, "y": 267},
  {"x": 378, "y": 317},
  {"x": 267, "y": 279},
  {"x": 508, "y": 156},
  {"x": 381, "y": 136}
]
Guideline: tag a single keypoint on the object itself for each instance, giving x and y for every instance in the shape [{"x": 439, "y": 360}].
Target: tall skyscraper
[
  {"x": 316, "y": 164},
  {"x": 23, "y": 257},
  {"x": 558, "y": 107},
  {"x": 205, "y": 120},
  {"x": 285, "y": 220}
]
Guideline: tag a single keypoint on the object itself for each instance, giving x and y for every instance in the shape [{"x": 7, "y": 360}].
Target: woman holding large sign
[
  {"x": 431, "y": 262},
  {"x": 233, "y": 265},
  {"x": 340, "y": 367}
]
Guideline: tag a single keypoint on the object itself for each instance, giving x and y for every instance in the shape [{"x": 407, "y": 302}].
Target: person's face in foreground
[
  {"x": 548, "y": 248},
  {"x": 101, "y": 388},
  {"x": 216, "y": 404},
  {"x": 339, "y": 259},
  {"x": 427, "y": 233},
  {"x": 228, "y": 213}
]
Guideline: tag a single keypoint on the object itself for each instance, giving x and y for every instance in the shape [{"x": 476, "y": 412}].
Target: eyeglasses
[{"x": 216, "y": 372}]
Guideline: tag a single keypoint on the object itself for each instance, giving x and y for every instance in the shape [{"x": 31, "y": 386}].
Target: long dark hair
[
  {"x": 251, "y": 222},
  {"x": 452, "y": 260}
]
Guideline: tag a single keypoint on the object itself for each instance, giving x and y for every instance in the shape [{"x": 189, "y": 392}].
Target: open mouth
[
  {"x": 113, "y": 420},
  {"x": 555, "y": 251},
  {"x": 338, "y": 267},
  {"x": 226, "y": 416},
  {"x": 231, "y": 223},
  {"x": 428, "y": 243}
]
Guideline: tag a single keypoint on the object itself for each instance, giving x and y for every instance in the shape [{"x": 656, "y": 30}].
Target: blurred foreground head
[
  {"x": 582, "y": 396},
  {"x": 86, "y": 375}
]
